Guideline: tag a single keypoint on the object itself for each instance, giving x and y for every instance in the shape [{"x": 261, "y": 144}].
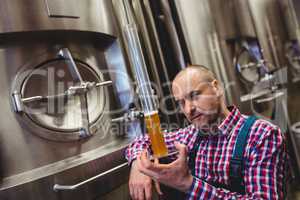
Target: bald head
[
  {"x": 193, "y": 74},
  {"x": 199, "y": 72}
]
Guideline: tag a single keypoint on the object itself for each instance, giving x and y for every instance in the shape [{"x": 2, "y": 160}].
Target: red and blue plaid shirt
[{"x": 265, "y": 158}]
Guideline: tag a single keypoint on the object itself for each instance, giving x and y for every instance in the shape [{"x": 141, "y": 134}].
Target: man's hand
[
  {"x": 140, "y": 185},
  {"x": 175, "y": 174}
]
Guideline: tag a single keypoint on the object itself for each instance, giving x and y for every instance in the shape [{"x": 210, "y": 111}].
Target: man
[{"x": 212, "y": 135}]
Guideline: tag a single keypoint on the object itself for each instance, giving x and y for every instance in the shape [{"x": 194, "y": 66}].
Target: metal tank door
[{"x": 61, "y": 99}]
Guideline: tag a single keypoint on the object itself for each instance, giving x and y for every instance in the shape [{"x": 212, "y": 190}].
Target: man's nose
[{"x": 189, "y": 108}]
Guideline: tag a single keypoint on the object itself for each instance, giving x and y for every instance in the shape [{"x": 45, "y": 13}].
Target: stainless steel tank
[
  {"x": 57, "y": 59},
  {"x": 290, "y": 9}
]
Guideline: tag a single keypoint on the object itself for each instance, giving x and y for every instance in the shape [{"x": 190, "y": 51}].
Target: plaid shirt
[{"x": 265, "y": 158}]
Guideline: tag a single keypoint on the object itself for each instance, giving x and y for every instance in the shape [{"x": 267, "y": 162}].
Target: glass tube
[{"x": 144, "y": 89}]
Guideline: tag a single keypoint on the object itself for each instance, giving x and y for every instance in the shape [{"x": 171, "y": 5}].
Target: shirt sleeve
[
  {"x": 185, "y": 136},
  {"x": 264, "y": 175}
]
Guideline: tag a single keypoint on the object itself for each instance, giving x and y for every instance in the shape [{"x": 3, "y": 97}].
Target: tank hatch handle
[
  {"x": 80, "y": 89},
  {"x": 18, "y": 101},
  {"x": 58, "y": 187}
]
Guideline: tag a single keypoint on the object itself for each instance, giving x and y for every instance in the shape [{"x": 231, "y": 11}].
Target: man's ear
[
  {"x": 217, "y": 87},
  {"x": 215, "y": 83}
]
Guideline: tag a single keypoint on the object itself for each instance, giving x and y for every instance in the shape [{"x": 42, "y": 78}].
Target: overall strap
[{"x": 236, "y": 162}]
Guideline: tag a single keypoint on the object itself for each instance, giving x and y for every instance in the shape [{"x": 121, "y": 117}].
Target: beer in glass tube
[{"x": 155, "y": 134}]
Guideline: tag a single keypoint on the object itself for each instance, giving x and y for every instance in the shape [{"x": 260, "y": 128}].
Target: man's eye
[
  {"x": 180, "y": 102},
  {"x": 194, "y": 95}
]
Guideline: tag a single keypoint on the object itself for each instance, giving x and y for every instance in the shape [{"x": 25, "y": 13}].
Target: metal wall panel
[{"x": 32, "y": 15}]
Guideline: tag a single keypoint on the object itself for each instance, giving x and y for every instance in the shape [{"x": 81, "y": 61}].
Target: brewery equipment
[{"x": 64, "y": 78}]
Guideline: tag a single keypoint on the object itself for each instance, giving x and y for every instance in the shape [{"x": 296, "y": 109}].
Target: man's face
[{"x": 198, "y": 99}]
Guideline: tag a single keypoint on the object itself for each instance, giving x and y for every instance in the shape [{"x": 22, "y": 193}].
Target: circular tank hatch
[
  {"x": 252, "y": 70},
  {"x": 47, "y": 100},
  {"x": 249, "y": 63},
  {"x": 246, "y": 66}
]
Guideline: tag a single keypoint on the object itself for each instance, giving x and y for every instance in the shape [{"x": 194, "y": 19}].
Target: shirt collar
[
  {"x": 226, "y": 126},
  {"x": 230, "y": 121}
]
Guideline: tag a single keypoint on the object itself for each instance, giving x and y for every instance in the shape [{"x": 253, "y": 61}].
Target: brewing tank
[{"x": 63, "y": 79}]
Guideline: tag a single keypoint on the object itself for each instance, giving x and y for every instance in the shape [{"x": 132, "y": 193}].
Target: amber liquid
[{"x": 159, "y": 147}]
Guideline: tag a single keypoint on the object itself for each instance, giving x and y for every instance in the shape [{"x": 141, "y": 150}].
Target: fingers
[
  {"x": 144, "y": 160},
  {"x": 141, "y": 189},
  {"x": 140, "y": 185},
  {"x": 146, "y": 163},
  {"x": 140, "y": 193},
  {"x": 145, "y": 166},
  {"x": 156, "y": 183},
  {"x": 135, "y": 190},
  {"x": 157, "y": 188},
  {"x": 131, "y": 190},
  {"x": 182, "y": 149},
  {"x": 148, "y": 191}
]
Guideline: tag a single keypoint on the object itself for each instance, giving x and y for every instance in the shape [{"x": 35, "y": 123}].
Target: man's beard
[{"x": 214, "y": 120}]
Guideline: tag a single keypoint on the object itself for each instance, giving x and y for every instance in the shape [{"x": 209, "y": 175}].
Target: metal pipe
[
  {"x": 104, "y": 83},
  {"x": 170, "y": 25},
  {"x": 39, "y": 98},
  {"x": 58, "y": 187}
]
